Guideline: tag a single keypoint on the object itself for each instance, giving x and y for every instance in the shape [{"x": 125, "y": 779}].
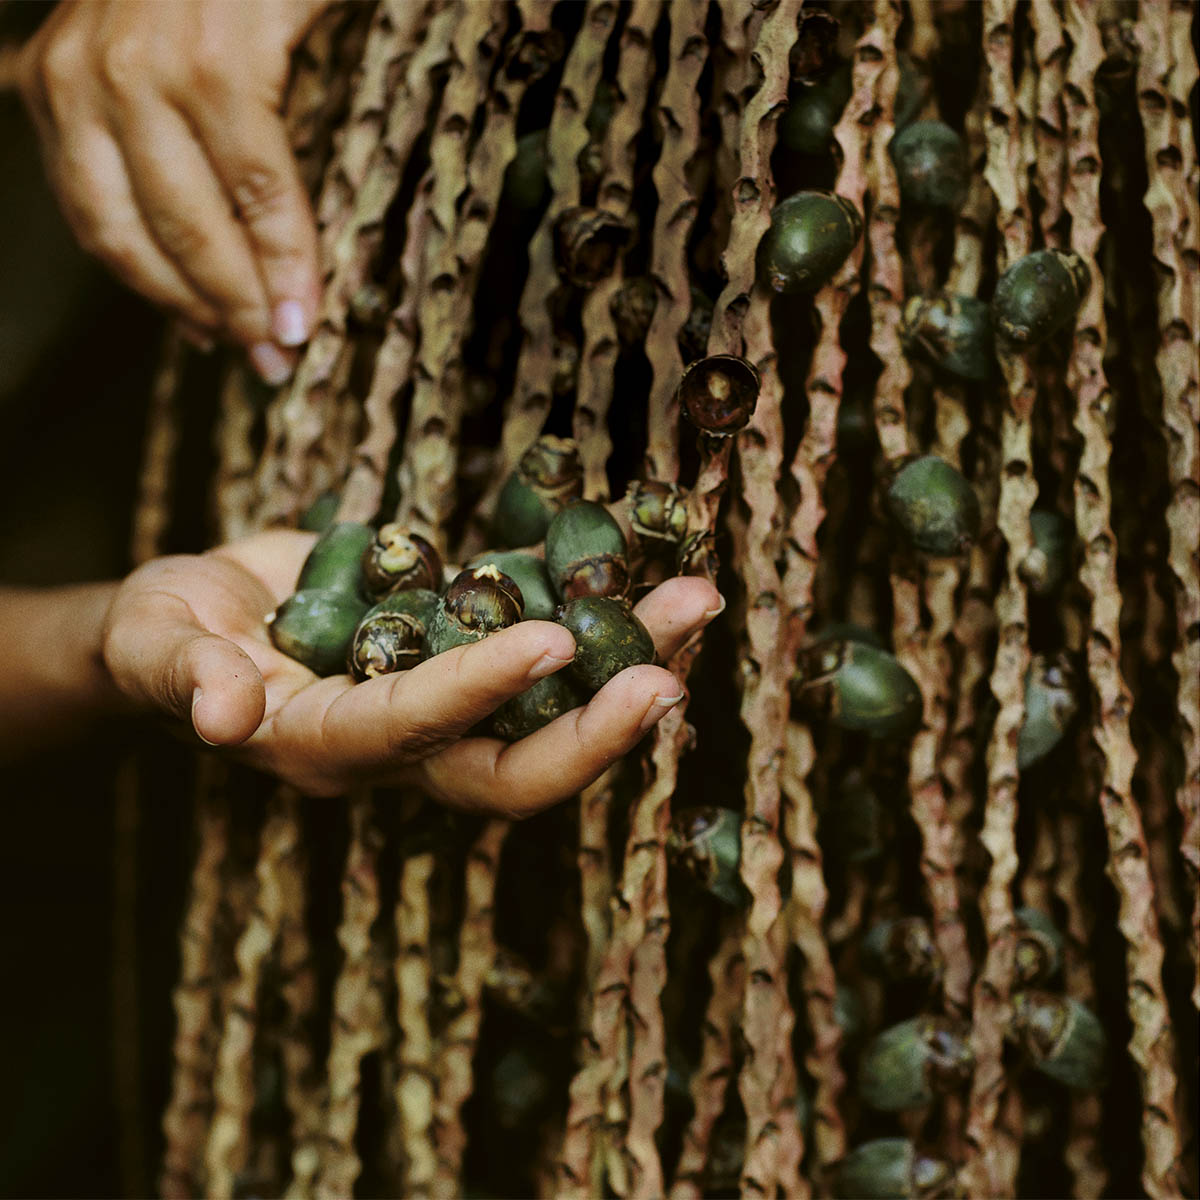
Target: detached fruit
[
  {"x": 391, "y": 636},
  {"x": 398, "y": 559},
  {"x": 480, "y": 601},
  {"x": 586, "y": 553},
  {"x": 608, "y": 638},
  {"x": 315, "y": 627}
]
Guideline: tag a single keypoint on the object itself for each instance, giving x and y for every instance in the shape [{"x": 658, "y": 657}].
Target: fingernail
[
  {"x": 715, "y": 612},
  {"x": 659, "y": 707},
  {"x": 271, "y": 363},
  {"x": 289, "y": 323},
  {"x": 547, "y": 665},
  {"x": 196, "y": 700}
]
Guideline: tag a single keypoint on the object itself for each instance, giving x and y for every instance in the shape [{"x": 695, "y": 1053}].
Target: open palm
[{"x": 187, "y": 634}]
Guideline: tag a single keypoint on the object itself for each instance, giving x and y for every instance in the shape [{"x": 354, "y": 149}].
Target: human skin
[
  {"x": 161, "y": 131},
  {"x": 184, "y": 637}
]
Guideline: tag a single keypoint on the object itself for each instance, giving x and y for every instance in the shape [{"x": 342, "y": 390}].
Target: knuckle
[
  {"x": 55, "y": 70},
  {"x": 124, "y": 65},
  {"x": 180, "y": 236},
  {"x": 258, "y": 192}
]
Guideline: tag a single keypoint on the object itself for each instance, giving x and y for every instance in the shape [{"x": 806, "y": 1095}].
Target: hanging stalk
[
  {"x": 1166, "y": 73},
  {"x": 709, "y": 1083},
  {"x": 152, "y": 511},
  {"x": 992, "y": 1158}
]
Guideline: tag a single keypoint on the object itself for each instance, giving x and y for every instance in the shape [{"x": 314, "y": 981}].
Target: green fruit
[
  {"x": 858, "y": 687},
  {"x": 537, "y": 706},
  {"x": 848, "y": 1012},
  {"x": 658, "y": 511},
  {"x": 588, "y": 244},
  {"x": 526, "y": 185},
  {"x": 891, "y": 1167},
  {"x": 1063, "y": 1038},
  {"x": 856, "y": 819},
  {"x": 1050, "y": 705},
  {"x": 909, "y": 1064},
  {"x": 935, "y": 506},
  {"x": 391, "y": 636},
  {"x": 632, "y": 309},
  {"x": 530, "y": 575},
  {"x": 320, "y": 514},
  {"x": 586, "y": 553},
  {"x": 1038, "y": 295},
  {"x": 335, "y": 562},
  {"x": 953, "y": 333},
  {"x": 608, "y": 639},
  {"x": 1045, "y": 568},
  {"x": 1039, "y": 950},
  {"x": 707, "y": 844},
  {"x": 315, "y": 627},
  {"x": 901, "y": 950},
  {"x": 548, "y": 476},
  {"x": 693, "y": 337},
  {"x": 811, "y": 235},
  {"x": 398, "y": 559},
  {"x": 479, "y": 602},
  {"x": 806, "y": 126},
  {"x": 931, "y": 165},
  {"x": 719, "y": 394},
  {"x": 370, "y": 306}
]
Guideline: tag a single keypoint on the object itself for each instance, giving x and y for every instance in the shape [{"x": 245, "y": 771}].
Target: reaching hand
[
  {"x": 186, "y": 634},
  {"x": 160, "y": 126}
]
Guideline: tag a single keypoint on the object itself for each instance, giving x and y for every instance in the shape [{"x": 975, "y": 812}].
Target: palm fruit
[
  {"x": 608, "y": 638},
  {"x": 1038, "y": 295},
  {"x": 806, "y": 126},
  {"x": 586, "y": 553},
  {"x": 335, "y": 561},
  {"x": 858, "y": 687},
  {"x": 811, "y": 235},
  {"x": 537, "y": 706},
  {"x": 525, "y": 182},
  {"x": 693, "y": 337},
  {"x": 369, "y": 306},
  {"x": 319, "y": 515},
  {"x": 548, "y": 476},
  {"x": 855, "y": 819},
  {"x": 953, "y": 333},
  {"x": 587, "y": 244},
  {"x": 518, "y": 1090},
  {"x": 316, "y": 626},
  {"x": 1038, "y": 955},
  {"x": 892, "y": 1167},
  {"x": 512, "y": 982},
  {"x": 1046, "y": 566},
  {"x": 1050, "y": 704},
  {"x": 565, "y": 377},
  {"x": 848, "y": 1012},
  {"x": 718, "y": 394},
  {"x": 707, "y": 844},
  {"x": 391, "y": 636},
  {"x": 480, "y": 601},
  {"x": 632, "y": 309},
  {"x": 911, "y": 1063},
  {"x": 1063, "y": 1038},
  {"x": 658, "y": 511},
  {"x": 935, "y": 506},
  {"x": 530, "y": 575},
  {"x": 902, "y": 949},
  {"x": 931, "y": 165},
  {"x": 398, "y": 559}
]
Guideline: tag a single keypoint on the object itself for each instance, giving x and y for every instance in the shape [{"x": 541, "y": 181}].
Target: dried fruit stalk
[
  {"x": 1050, "y": 52},
  {"x": 234, "y": 486},
  {"x": 185, "y": 1121},
  {"x": 233, "y": 1083},
  {"x": 159, "y": 444},
  {"x": 991, "y": 1156},
  {"x": 1166, "y": 74},
  {"x": 598, "y": 355}
]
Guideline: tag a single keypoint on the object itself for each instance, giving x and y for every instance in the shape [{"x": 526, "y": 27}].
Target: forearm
[{"x": 53, "y": 682}]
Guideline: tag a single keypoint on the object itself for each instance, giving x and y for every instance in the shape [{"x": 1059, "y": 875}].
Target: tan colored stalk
[
  {"x": 598, "y": 354},
  {"x": 1166, "y": 74},
  {"x": 710, "y": 1081},
  {"x": 415, "y": 1087},
  {"x": 152, "y": 511},
  {"x": 991, "y": 1157},
  {"x": 234, "y": 487}
]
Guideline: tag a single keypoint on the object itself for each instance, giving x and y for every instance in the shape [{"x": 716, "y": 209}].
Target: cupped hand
[
  {"x": 160, "y": 126},
  {"x": 185, "y": 634}
]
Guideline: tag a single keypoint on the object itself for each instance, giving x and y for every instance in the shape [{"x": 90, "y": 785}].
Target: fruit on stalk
[
  {"x": 858, "y": 687},
  {"x": 1050, "y": 705},
  {"x": 548, "y": 476},
  {"x": 693, "y": 337},
  {"x": 658, "y": 511},
  {"x": 806, "y": 126},
  {"x": 707, "y": 843},
  {"x": 480, "y": 601},
  {"x": 608, "y": 638},
  {"x": 391, "y": 636},
  {"x": 587, "y": 244},
  {"x": 719, "y": 394},
  {"x": 316, "y": 626},
  {"x": 398, "y": 559},
  {"x": 632, "y": 309},
  {"x": 1045, "y": 568},
  {"x": 1039, "y": 950},
  {"x": 1038, "y": 295},
  {"x": 586, "y": 553},
  {"x": 902, "y": 949},
  {"x": 892, "y": 1167},
  {"x": 935, "y": 506},
  {"x": 811, "y": 235},
  {"x": 931, "y": 165},
  {"x": 912, "y": 1062},
  {"x": 952, "y": 333},
  {"x": 1062, "y": 1038}
]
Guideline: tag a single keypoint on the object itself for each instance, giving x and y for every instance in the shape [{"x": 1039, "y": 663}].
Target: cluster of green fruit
[{"x": 370, "y": 602}]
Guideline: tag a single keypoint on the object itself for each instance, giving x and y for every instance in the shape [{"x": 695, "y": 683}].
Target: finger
[
  {"x": 158, "y": 652},
  {"x": 674, "y": 610},
  {"x": 186, "y": 210},
  {"x": 394, "y": 719},
  {"x": 517, "y": 780},
  {"x": 248, "y": 146}
]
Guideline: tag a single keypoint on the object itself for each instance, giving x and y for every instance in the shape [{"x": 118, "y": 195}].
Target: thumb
[{"x": 159, "y": 654}]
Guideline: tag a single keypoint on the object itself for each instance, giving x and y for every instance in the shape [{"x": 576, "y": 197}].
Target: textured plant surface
[{"x": 354, "y": 1038}]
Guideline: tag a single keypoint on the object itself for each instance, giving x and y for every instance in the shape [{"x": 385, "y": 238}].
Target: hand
[
  {"x": 160, "y": 126},
  {"x": 186, "y": 634}
]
